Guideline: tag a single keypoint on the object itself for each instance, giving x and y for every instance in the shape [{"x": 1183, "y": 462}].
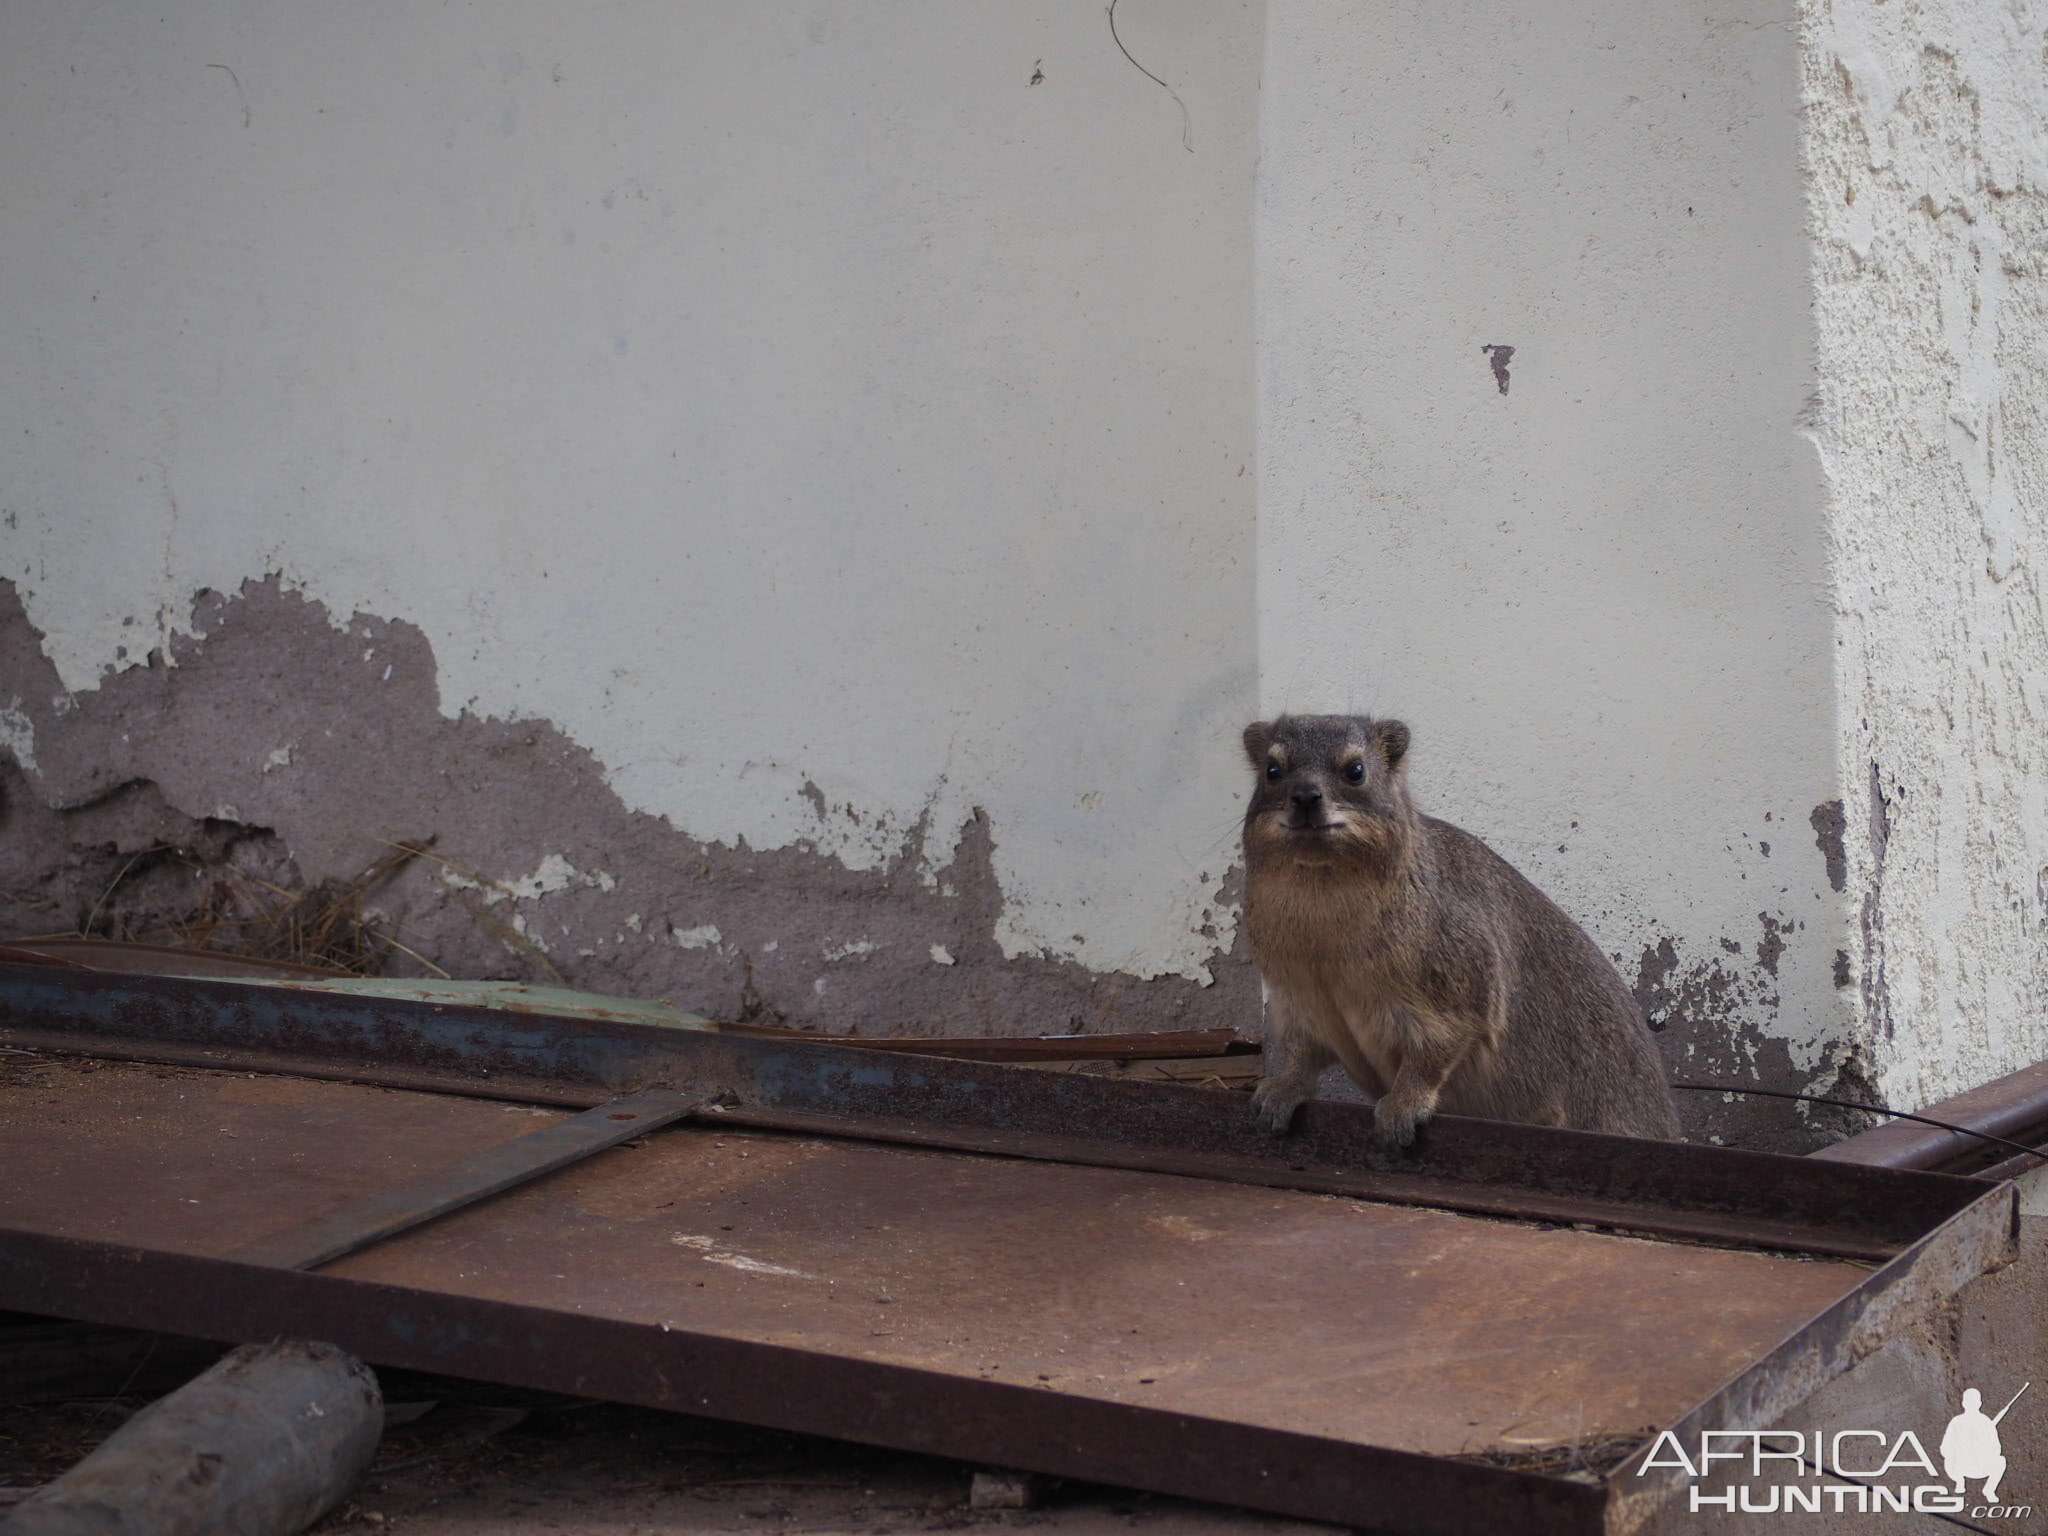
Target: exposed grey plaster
[
  {"x": 1498, "y": 358},
  {"x": 122, "y": 861},
  {"x": 1827, "y": 836},
  {"x": 1772, "y": 944},
  {"x": 1702, "y": 1011},
  {"x": 283, "y": 740},
  {"x": 1880, "y": 817}
]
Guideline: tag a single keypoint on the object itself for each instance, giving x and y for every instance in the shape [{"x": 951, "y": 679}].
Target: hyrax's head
[{"x": 1329, "y": 791}]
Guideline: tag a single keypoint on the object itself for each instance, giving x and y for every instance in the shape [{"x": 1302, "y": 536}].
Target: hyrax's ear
[
  {"x": 1391, "y": 737},
  {"x": 1258, "y": 736}
]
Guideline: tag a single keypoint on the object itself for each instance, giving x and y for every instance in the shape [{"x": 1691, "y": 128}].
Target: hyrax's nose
[{"x": 1306, "y": 797}]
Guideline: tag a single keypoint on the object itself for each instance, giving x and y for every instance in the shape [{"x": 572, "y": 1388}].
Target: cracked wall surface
[{"x": 1928, "y": 196}]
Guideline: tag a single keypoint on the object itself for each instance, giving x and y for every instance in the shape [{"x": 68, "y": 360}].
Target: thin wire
[
  {"x": 1187, "y": 126},
  {"x": 1874, "y": 1109}
]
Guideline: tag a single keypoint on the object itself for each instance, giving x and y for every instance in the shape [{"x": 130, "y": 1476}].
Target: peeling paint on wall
[
  {"x": 799, "y": 414},
  {"x": 1713, "y": 1014},
  {"x": 536, "y": 871},
  {"x": 1827, "y": 824}
]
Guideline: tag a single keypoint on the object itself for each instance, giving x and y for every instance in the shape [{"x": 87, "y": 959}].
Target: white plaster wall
[
  {"x": 835, "y": 430},
  {"x": 1929, "y": 165},
  {"x": 828, "y": 426},
  {"x": 1599, "y": 599}
]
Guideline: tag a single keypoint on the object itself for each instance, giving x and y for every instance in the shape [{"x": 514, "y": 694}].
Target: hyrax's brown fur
[{"x": 1415, "y": 955}]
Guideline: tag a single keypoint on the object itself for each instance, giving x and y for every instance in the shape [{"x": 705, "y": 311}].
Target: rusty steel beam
[
  {"x": 2014, "y": 1106},
  {"x": 1711, "y": 1194},
  {"x": 534, "y": 1155},
  {"x": 1391, "y": 1187}
]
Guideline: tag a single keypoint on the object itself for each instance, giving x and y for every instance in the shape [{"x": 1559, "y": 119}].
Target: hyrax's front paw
[
  {"x": 1399, "y": 1112},
  {"x": 1274, "y": 1102},
  {"x": 1394, "y": 1123}
]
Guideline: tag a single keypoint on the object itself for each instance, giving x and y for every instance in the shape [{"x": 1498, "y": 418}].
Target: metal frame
[{"x": 1929, "y": 1234}]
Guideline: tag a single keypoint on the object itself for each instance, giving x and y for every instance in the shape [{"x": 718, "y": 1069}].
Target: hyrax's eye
[
  {"x": 1272, "y": 771},
  {"x": 1354, "y": 773}
]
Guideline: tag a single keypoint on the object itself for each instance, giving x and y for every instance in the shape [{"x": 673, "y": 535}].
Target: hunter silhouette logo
[
  {"x": 1970, "y": 1447},
  {"x": 1848, "y": 1471}
]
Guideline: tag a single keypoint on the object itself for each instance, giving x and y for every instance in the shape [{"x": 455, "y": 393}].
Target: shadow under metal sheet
[{"x": 1117, "y": 1281}]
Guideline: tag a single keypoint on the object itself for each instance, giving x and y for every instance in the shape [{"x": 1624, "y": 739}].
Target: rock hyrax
[{"x": 1415, "y": 955}]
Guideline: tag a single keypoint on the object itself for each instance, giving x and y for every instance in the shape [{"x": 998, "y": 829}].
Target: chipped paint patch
[
  {"x": 18, "y": 735},
  {"x": 1719, "y": 1019},
  {"x": 554, "y": 873},
  {"x": 1827, "y": 824},
  {"x": 538, "y": 872}
]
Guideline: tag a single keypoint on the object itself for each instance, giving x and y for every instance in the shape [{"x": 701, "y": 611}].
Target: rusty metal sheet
[
  {"x": 1138, "y": 1290},
  {"x": 1209, "y": 1298}
]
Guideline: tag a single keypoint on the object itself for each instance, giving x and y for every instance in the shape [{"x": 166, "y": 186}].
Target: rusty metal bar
[
  {"x": 2013, "y": 1106},
  {"x": 1388, "y": 1187},
  {"x": 1720, "y": 1195},
  {"x": 399, "y": 1209},
  {"x": 808, "y": 1391},
  {"x": 1152, "y": 1045}
]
